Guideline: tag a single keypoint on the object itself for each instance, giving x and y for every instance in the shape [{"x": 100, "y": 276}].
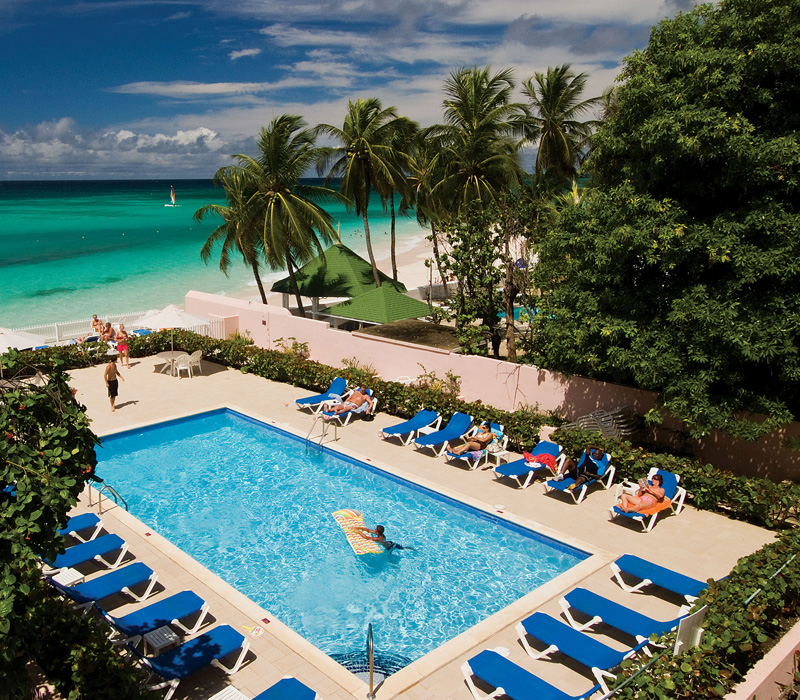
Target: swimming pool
[{"x": 251, "y": 504}]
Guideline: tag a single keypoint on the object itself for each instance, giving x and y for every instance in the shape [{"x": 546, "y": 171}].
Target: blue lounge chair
[
  {"x": 474, "y": 459},
  {"x": 619, "y": 617},
  {"x": 440, "y": 440},
  {"x": 576, "y": 645},
  {"x": 525, "y": 472},
  {"x": 98, "y": 549},
  {"x": 287, "y": 688},
  {"x": 409, "y": 429},
  {"x": 344, "y": 417},
  {"x": 674, "y": 496},
  {"x": 509, "y": 679},
  {"x": 650, "y": 573},
  {"x": 75, "y": 526},
  {"x": 123, "y": 580},
  {"x": 315, "y": 403},
  {"x": 141, "y": 332},
  {"x": 605, "y": 479},
  {"x": 188, "y": 658},
  {"x": 169, "y": 611}
]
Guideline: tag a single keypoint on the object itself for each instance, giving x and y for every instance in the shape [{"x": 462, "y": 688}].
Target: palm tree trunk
[
  {"x": 437, "y": 257},
  {"x": 259, "y": 283},
  {"x": 369, "y": 248},
  {"x": 510, "y": 294},
  {"x": 293, "y": 280},
  {"x": 392, "y": 239}
]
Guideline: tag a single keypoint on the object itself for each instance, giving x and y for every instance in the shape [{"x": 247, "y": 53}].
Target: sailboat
[{"x": 171, "y": 198}]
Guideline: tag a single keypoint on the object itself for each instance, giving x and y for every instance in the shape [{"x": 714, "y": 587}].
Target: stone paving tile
[{"x": 696, "y": 543}]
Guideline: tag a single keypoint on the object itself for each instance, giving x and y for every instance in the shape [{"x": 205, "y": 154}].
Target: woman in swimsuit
[
  {"x": 479, "y": 441},
  {"x": 646, "y": 497},
  {"x": 122, "y": 346}
]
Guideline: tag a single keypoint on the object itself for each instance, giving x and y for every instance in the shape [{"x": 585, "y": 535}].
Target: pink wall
[{"x": 505, "y": 385}]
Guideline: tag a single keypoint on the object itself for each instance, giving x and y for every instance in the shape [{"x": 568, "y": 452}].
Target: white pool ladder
[{"x": 326, "y": 426}]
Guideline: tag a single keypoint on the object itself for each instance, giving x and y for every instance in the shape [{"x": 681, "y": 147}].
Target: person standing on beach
[
  {"x": 122, "y": 346},
  {"x": 112, "y": 377}
]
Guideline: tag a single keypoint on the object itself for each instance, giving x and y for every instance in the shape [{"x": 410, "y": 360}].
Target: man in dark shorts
[
  {"x": 378, "y": 536},
  {"x": 112, "y": 377}
]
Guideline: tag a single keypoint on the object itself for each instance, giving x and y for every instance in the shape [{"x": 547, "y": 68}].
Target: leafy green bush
[
  {"x": 46, "y": 457},
  {"x": 738, "y": 629}
]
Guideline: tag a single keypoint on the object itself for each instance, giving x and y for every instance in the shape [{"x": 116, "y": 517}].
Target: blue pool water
[{"x": 251, "y": 504}]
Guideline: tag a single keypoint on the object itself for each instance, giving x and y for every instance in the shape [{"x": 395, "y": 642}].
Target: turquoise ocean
[{"x": 70, "y": 249}]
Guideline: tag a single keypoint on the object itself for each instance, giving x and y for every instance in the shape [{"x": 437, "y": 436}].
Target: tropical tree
[
  {"x": 367, "y": 158},
  {"x": 236, "y": 232},
  {"x": 556, "y": 104},
  {"x": 401, "y": 138},
  {"x": 280, "y": 217},
  {"x": 679, "y": 272},
  {"x": 480, "y": 138}
]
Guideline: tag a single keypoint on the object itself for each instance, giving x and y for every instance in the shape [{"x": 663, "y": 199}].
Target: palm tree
[
  {"x": 234, "y": 232},
  {"x": 401, "y": 139},
  {"x": 556, "y": 101},
  {"x": 292, "y": 225},
  {"x": 365, "y": 160},
  {"x": 480, "y": 137}
]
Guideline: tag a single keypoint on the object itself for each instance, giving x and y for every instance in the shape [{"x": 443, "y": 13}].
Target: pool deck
[{"x": 696, "y": 543}]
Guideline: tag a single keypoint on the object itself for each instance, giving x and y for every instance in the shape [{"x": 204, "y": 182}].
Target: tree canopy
[{"x": 680, "y": 270}]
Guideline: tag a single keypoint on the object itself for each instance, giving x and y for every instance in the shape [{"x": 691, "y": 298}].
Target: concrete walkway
[{"x": 696, "y": 543}]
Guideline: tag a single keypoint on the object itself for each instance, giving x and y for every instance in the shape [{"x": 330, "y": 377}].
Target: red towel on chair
[{"x": 545, "y": 460}]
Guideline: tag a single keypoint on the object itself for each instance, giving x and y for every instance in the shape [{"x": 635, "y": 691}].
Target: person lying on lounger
[
  {"x": 479, "y": 441},
  {"x": 356, "y": 399},
  {"x": 590, "y": 466},
  {"x": 377, "y": 535},
  {"x": 646, "y": 497}
]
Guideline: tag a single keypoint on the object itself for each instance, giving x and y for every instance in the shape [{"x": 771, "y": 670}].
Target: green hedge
[
  {"x": 761, "y": 501},
  {"x": 737, "y": 633}
]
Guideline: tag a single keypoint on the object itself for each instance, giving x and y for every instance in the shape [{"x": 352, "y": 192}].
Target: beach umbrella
[
  {"x": 171, "y": 317},
  {"x": 384, "y": 304},
  {"x": 18, "y": 339}
]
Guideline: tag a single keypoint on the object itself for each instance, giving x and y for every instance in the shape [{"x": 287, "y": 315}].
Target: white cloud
[{"x": 233, "y": 55}]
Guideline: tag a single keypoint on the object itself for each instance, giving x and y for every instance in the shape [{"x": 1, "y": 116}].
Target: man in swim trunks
[
  {"x": 380, "y": 538},
  {"x": 356, "y": 399},
  {"x": 646, "y": 497},
  {"x": 112, "y": 377}
]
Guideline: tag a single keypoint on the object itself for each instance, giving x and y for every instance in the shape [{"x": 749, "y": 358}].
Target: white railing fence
[{"x": 55, "y": 333}]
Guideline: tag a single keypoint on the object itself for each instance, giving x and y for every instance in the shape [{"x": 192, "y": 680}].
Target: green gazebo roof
[
  {"x": 337, "y": 272},
  {"x": 382, "y": 305}
]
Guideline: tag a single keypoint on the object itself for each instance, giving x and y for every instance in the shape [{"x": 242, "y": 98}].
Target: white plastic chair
[
  {"x": 184, "y": 362},
  {"x": 195, "y": 359}
]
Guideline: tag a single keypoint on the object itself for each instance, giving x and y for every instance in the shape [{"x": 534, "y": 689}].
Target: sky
[{"x": 113, "y": 89}]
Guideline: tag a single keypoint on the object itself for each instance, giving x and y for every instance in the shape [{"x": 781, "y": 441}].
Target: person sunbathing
[
  {"x": 646, "y": 497},
  {"x": 108, "y": 332},
  {"x": 356, "y": 399},
  {"x": 97, "y": 325},
  {"x": 479, "y": 441}
]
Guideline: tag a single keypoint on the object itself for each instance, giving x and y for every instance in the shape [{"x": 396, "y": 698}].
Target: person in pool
[{"x": 377, "y": 535}]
